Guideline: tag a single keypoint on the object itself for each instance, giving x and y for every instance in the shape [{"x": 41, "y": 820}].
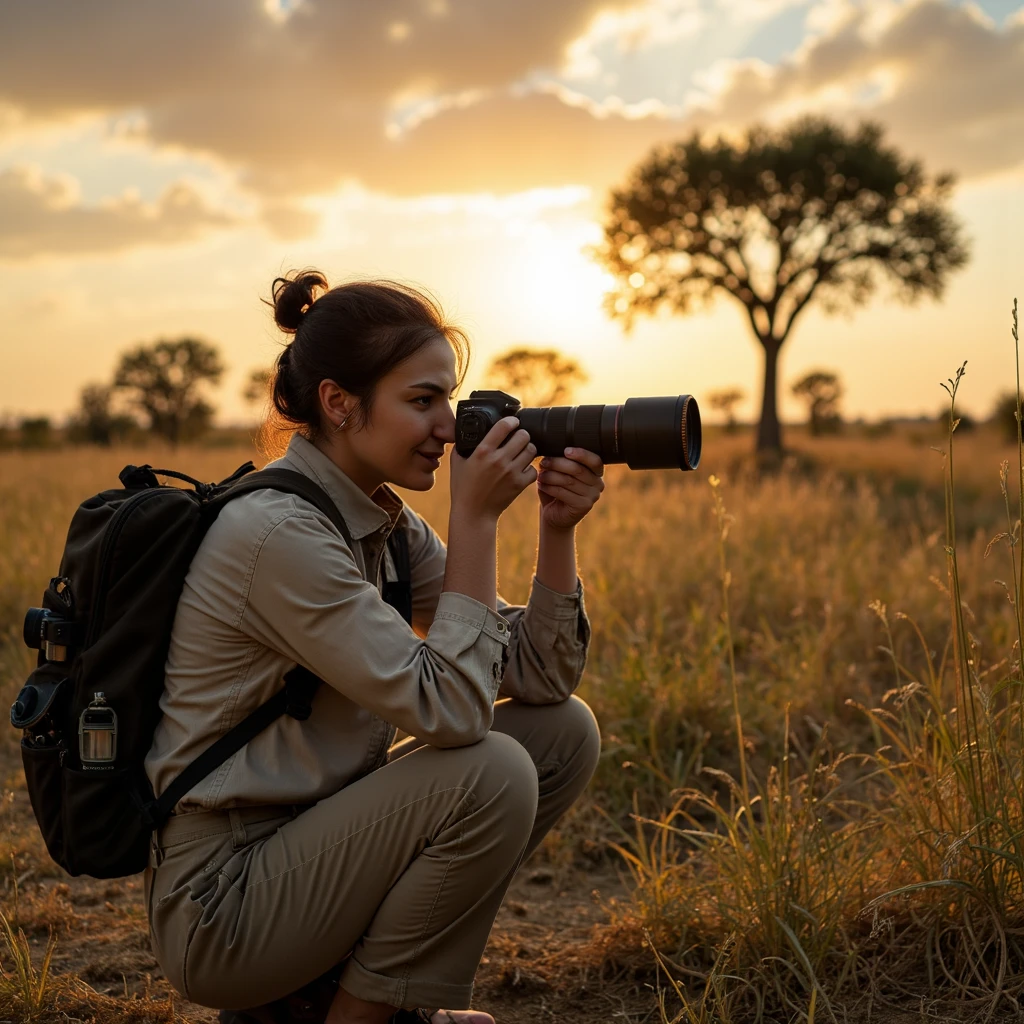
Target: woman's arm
[
  {"x": 471, "y": 562},
  {"x": 556, "y": 557}
]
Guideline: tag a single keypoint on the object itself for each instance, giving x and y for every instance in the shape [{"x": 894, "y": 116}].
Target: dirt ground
[{"x": 536, "y": 966}]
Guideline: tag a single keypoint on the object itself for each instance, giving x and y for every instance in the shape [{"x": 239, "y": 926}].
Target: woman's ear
[{"x": 336, "y": 404}]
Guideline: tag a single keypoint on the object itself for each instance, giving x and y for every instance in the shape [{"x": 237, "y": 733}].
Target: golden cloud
[{"x": 43, "y": 215}]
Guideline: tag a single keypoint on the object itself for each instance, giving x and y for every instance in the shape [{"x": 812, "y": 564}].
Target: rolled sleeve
[
  {"x": 307, "y": 599},
  {"x": 547, "y": 653}
]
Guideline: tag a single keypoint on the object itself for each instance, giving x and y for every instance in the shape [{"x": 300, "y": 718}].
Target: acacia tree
[
  {"x": 257, "y": 385},
  {"x": 776, "y": 220},
  {"x": 96, "y": 422},
  {"x": 537, "y": 377},
  {"x": 821, "y": 390},
  {"x": 165, "y": 381},
  {"x": 725, "y": 401}
]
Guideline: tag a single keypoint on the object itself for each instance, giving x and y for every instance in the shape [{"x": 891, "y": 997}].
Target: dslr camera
[{"x": 644, "y": 433}]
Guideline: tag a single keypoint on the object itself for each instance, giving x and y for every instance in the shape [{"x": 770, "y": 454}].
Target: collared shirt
[{"x": 274, "y": 584}]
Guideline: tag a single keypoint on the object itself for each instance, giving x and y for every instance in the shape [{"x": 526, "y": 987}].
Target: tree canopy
[
  {"x": 96, "y": 422},
  {"x": 165, "y": 380},
  {"x": 725, "y": 400},
  {"x": 822, "y": 391},
  {"x": 776, "y": 219},
  {"x": 537, "y": 377}
]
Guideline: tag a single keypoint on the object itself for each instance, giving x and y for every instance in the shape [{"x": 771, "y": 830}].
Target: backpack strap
[
  {"x": 296, "y": 700},
  {"x": 290, "y": 482},
  {"x": 398, "y": 593}
]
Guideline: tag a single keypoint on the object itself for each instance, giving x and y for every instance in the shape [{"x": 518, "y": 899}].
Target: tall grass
[
  {"x": 22, "y": 983},
  {"x": 778, "y": 685},
  {"x": 835, "y": 881}
]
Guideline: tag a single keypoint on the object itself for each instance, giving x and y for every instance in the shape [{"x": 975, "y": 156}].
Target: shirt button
[{"x": 501, "y": 627}]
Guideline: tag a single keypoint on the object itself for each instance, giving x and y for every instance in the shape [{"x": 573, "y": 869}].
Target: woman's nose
[{"x": 445, "y": 430}]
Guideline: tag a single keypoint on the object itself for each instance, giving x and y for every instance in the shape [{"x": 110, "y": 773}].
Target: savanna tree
[
  {"x": 96, "y": 422},
  {"x": 725, "y": 400},
  {"x": 165, "y": 381},
  {"x": 821, "y": 391},
  {"x": 1004, "y": 415},
  {"x": 775, "y": 220},
  {"x": 257, "y": 385},
  {"x": 537, "y": 377}
]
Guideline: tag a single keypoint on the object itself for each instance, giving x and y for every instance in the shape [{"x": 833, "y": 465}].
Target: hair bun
[{"x": 293, "y": 295}]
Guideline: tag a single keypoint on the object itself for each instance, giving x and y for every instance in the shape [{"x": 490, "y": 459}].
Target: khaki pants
[{"x": 404, "y": 869}]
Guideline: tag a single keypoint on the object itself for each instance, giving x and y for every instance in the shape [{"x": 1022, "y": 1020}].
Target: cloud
[
  {"x": 42, "y": 215},
  {"x": 409, "y": 97},
  {"x": 271, "y": 86},
  {"x": 946, "y": 81},
  {"x": 507, "y": 144}
]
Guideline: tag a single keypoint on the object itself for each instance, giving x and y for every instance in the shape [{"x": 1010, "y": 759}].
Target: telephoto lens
[{"x": 644, "y": 433}]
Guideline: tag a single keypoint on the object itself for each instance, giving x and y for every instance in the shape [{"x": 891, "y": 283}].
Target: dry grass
[{"x": 769, "y": 775}]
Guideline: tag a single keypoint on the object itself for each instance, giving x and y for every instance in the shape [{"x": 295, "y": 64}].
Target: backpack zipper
[{"x": 109, "y": 540}]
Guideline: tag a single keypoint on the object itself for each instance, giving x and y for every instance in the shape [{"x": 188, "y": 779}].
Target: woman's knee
[
  {"x": 506, "y": 778},
  {"x": 578, "y": 727}
]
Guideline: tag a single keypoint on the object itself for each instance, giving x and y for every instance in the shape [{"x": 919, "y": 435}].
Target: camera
[
  {"x": 644, "y": 433},
  {"x": 50, "y": 633}
]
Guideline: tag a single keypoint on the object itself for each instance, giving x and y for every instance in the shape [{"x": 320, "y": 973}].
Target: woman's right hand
[{"x": 486, "y": 483}]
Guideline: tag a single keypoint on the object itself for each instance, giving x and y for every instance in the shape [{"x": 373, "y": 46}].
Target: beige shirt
[{"x": 274, "y": 585}]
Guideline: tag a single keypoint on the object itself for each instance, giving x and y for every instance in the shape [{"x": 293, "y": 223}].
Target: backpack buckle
[
  {"x": 300, "y": 684},
  {"x": 133, "y": 477},
  {"x": 299, "y": 706}
]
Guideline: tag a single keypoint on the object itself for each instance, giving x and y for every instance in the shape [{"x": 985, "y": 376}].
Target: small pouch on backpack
[
  {"x": 43, "y": 773},
  {"x": 102, "y": 833},
  {"x": 35, "y": 700}
]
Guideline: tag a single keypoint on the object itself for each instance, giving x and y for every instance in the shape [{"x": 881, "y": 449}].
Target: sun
[{"x": 563, "y": 288}]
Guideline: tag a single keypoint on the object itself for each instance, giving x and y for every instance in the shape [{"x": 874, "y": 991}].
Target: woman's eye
[{"x": 423, "y": 398}]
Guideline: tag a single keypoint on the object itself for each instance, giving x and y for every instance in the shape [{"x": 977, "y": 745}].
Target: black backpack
[{"x": 89, "y": 710}]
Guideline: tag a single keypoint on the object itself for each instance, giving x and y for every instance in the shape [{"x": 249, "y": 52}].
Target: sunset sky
[{"x": 161, "y": 162}]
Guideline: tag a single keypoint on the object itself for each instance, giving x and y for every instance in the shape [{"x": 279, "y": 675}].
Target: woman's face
[{"x": 410, "y": 422}]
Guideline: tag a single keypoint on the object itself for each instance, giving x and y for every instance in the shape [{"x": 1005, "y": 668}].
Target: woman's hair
[{"x": 353, "y": 334}]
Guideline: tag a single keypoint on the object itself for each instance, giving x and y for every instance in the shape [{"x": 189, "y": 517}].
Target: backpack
[{"x": 89, "y": 709}]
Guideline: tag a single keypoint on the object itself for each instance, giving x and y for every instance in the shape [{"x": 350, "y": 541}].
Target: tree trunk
[{"x": 769, "y": 431}]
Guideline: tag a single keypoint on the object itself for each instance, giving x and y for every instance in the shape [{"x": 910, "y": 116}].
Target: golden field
[{"x": 798, "y": 722}]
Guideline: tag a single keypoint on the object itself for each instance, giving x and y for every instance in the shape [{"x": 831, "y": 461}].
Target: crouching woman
[{"x": 324, "y": 857}]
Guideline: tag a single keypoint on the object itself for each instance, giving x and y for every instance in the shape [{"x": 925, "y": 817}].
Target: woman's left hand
[{"x": 569, "y": 487}]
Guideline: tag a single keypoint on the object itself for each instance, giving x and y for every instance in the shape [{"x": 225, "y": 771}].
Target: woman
[{"x": 322, "y": 850}]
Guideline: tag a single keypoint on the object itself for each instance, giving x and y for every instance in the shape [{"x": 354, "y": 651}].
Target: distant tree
[
  {"x": 257, "y": 385},
  {"x": 965, "y": 422},
  {"x": 95, "y": 422},
  {"x": 725, "y": 401},
  {"x": 537, "y": 377},
  {"x": 774, "y": 220},
  {"x": 1004, "y": 416},
  {"x": 821, "y": 391},
  {"x": 36, "y": 432},
  {"x": 165, "y": 382}
]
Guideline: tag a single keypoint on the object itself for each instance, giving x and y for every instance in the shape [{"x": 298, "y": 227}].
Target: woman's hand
[
  {"x": 569, "y": 487},
  {"x": 486, "y": 483}
]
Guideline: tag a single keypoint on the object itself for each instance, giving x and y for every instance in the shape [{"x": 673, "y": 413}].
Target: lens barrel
[{"x": 644, "y": 433}]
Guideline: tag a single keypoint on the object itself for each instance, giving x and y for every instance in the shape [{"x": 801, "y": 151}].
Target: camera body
[{"x": 474, "y": 417}]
